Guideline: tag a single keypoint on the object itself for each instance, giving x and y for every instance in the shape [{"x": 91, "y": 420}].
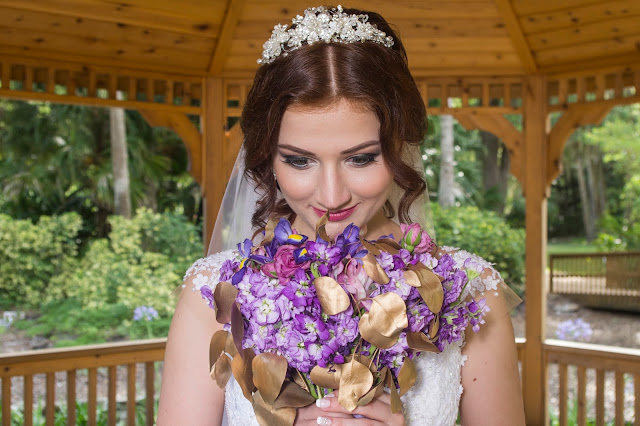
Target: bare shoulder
[
  {"x": 492, "y": 393},
  {"x": 188, "y": 394}
]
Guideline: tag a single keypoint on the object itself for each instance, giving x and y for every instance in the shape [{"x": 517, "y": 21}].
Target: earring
[{"x": 274, "y": 175}]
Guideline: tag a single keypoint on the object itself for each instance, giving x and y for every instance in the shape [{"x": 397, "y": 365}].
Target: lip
[{"x": 337, "y": 216}]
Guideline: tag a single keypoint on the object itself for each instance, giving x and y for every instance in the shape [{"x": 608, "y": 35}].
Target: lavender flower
[
  {"x": 575, "y": 330},
  {"x": 144, "y": 313}
]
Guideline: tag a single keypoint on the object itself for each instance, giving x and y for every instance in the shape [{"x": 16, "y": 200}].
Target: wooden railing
[
  {"x": 614, "y": 370},
  {"x": 561, "y": 358},
  {"x": 605, "y": 280},
  {"x": 74, "y": 362}
]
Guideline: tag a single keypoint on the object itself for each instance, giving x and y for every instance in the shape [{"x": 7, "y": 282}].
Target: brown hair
[{"x": 366, "y": 73}]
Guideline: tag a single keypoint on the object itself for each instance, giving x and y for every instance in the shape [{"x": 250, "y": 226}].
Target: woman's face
[{"x": 329, "y": 159}]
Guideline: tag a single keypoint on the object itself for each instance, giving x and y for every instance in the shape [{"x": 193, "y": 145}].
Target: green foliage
[
  {"x": 56, "y": 158},
  {"x": 485, "y": 233},
  {"x": 141, "y": 263},
  {"x": 82, "y": 414},
  {"x": 31, "y": 254},
  {"x": 468, "y": 147},
  {"x": 90, "y": 298}
]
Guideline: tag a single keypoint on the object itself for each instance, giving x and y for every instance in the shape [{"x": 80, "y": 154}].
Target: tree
[
  {"x": 120, "y": 163},
  {"x": 495, "y": 171},
  {"x": 446, "y": 195}
]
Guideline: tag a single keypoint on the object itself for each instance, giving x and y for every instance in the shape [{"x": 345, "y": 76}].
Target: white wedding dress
[{"x": 436, "y": 395}]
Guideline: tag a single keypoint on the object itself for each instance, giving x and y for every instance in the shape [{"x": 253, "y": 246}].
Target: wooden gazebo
[{"x": 172, "y": 60}]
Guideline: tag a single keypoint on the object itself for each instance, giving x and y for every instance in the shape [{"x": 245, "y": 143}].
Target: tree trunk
[
  {"x": 120, "y": 163},
  {"x": 593, "y": 208},
  {"x": 495, "y": 169},
  {"x": 584, "y": 199},
  {"x": 446, "y": 196}
]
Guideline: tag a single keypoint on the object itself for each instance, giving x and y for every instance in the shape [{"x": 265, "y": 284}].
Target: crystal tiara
[{"x": 321, "y": 24}]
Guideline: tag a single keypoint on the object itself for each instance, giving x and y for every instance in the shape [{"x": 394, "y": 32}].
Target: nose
[{"x": 333, "y": 191}]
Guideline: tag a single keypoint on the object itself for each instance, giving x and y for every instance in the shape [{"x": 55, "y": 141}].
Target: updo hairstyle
[{"x": 317, "y": 75}]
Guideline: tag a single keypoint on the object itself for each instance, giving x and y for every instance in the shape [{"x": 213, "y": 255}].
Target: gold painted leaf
[
  {"x": 407, "y": 375},
  {"x": 221, "y": 371},
  {"x": 269, "y": 231},
  {"x": 396, "y": 403},
  {"x": 293, "y": 395},
  {"x": 333, "y": 298},
  {"x": 230, "y": 346},
  {"x": 320, "y": 227},
  {"x": 356, "y": 380},
  {"x": 411, "y": 277},
  {"x": 267, "y": 415},
  {"x": 370, "y": 247},
  {"x": 371, "y": 335},
  {"x": 216, "y": 346},
  {"x": 388, "y": 314},
  {"x": 237, "y": 327},
  {"x": 434, "y": 327},
  {"x": 327, "y": 377},
  {"x": 389, "y": 242},
  {"x": 375, "y": 392},
  {"x": 224, "y": 296},
  {"x": 419, "y": 341},
  {"x": 374, "y": 270},
  {"x": 269, "y": 371},
  {"x": 430, "y": 288},
  {"x": 242, "y": 372}
]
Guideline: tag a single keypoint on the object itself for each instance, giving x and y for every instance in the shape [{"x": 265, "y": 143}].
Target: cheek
[
  {"x": 374, "y": 186},
  {"x": 294, "y": 186}
]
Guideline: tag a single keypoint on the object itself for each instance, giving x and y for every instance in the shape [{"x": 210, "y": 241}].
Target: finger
[
  {"x": 333, "y": 421},
  {"x": 312, "y": 412},
  {"x": 379, "y": 409}
]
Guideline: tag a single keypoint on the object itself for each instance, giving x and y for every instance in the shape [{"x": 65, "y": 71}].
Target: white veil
[{"x": 233, "y": 224}]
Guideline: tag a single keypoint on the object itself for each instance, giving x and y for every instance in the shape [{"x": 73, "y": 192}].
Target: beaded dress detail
[{"x": 436, "y": 395}]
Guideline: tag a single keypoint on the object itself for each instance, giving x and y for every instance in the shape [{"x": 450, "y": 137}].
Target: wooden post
[
  {"x": 213, "y": 170},
  {"x": 535, "y": 188}
]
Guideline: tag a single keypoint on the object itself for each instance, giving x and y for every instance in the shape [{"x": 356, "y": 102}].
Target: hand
[{"x": 328, "y": 411}]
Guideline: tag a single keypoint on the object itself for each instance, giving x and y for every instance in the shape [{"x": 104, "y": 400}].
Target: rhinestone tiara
[{"x": 321, "y": 24}]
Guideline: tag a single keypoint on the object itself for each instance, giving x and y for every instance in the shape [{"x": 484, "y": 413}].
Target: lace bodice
[{"x": 436, "y": 395}]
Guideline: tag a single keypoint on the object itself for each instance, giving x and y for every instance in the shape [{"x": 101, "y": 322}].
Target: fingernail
[
  {"x": 322, "y": 403},
  {"x": 324, "y": 421}
]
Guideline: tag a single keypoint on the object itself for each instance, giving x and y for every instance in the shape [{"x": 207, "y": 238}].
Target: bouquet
[{"x": 303, "y": 317}]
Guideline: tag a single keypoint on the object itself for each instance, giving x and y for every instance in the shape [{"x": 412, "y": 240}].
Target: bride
[{"x": 333, "y": 124}]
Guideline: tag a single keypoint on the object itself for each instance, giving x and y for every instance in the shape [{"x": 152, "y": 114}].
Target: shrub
[
  {"x": 486, "y": 234},
  {"x": 141, "y": 263},
  {"x": 32, "y": 254}
]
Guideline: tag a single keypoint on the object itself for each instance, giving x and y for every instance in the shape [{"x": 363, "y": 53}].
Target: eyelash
[{"x": 359, "y": 160}]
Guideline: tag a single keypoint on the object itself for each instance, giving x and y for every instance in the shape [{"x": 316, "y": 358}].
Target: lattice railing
[
  {"x": 28, "y": 79},
  {"x": 614, "y": 86}
]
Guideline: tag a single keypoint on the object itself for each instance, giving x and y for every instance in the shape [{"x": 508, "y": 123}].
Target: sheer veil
[{"x": 233, "y": 224}]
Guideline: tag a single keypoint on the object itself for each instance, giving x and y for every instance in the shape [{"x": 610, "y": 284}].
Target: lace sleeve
[
  {"x": 204, "y": 274},
  {"x": 488, "y": 278}
]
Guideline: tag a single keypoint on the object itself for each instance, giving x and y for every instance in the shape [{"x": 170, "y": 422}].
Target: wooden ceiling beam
[
  {"x": 123, "y": 14},
  {"x": 225, "y": 37},
  {"x": 517, "y": 35}
]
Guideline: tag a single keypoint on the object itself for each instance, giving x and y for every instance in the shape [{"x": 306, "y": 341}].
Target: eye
[
  {"x": 362, "y": 160},
  {"x": 297, "y": 162}
]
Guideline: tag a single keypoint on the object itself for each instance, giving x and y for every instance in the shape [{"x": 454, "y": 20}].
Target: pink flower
[
  {"x": 426, "y": 244},
  {"x": 285, "y": 263},
  {"x": 269, "y": 269},
  {"x": 411, "y": 236},
  {"x": 355, "y": 279}
]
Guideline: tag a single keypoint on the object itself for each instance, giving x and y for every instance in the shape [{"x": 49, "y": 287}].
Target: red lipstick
[{"x": 336, "y": 216}]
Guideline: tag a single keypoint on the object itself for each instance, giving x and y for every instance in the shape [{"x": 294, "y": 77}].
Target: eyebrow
[{"x": 345, "y": 152}]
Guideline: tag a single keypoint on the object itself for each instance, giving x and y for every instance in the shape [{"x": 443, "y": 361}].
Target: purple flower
[
  {"x": 147, "y": 313},
  {"x": 285, "y": 235},
  {"x": 285, "y": 262},
  {"x": 576, "y": 330},
  {"x": 349, "y": 240}
]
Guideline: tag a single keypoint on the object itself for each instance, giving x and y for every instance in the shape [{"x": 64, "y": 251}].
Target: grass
[{"x": 573, "y": 245}]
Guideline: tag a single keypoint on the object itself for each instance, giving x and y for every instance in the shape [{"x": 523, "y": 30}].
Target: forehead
[{"x": 337, "y": 126}]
